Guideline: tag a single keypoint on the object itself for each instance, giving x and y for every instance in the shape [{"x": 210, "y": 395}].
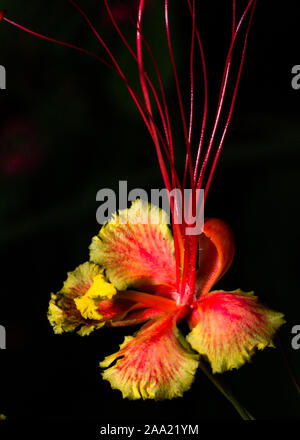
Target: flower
[
  {"x": 131, "y": 279},
  {"x": 141, "y": 273}
]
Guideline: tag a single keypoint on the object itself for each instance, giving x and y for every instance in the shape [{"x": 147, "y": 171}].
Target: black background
[{"x": 87, "y": 135}]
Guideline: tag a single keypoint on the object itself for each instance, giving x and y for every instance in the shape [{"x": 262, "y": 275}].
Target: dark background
[{"x": 68, "y": 128}]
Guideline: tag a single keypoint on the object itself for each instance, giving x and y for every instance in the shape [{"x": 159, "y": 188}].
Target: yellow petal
[
  {"x": 80, "y": 279},
  {"x": 88, "y": 303},
  {"x": 75, "y": 306}
]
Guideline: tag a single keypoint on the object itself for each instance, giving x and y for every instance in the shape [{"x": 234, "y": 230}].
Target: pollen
[
  {"x": 87, "y": 304},
  {"x": 102, "y": 288}
]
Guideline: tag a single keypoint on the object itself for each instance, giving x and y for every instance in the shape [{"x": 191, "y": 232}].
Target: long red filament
[
  {"x": 188, "y": 150},
  {"x": 145, "y": 73},
  {"x": 165, "y": 120},
  {"x": 232, "y": 103},
  {"x": 185, "y": 246},
  {"x": 205, "y": 87},
  {"x": 192, "y": 74},
  {"x": 175, "y": 180},
  {"x": 61, "y": 43},
  {"x": 221, "y": 97},
  {"x": 192, "y": 89},
  {"x": 233, "y": 17},
  {"x": 157, "y": 146},
  {"x": 133, "y": 93},
  {"x": 188, "y": 147},
  {"x": 148, "y": 106},
  {"x": 188, "y": 277},
  {"x": 170, "y": 140}
]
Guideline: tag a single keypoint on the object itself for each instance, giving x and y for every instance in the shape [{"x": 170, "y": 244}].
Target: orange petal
[
  {"x": 135, "y": 252},
  {"x": 114, "y": 309},
  {"x": 155, "y": 364},
  {"x": 134, "y": 317},
  {"x": 228, "y": 326},
  {"x": 216, "y": 251}
]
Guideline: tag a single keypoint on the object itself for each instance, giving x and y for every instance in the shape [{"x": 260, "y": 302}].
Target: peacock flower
[
  {"x": 147, "y": 269},
  {"x": 131, "y": 279}
]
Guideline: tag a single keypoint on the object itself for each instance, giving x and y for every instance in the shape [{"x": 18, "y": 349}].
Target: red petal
[
  {"x": 228, "y": 326},
  {"x": 134, "y": 250},
  {"x": 155, "y": 364},
  {"x": 216, "y": 251},
  {"x": 2, "y": 14}
]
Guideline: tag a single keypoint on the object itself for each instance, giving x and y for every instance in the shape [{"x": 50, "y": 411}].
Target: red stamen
[
  {"x": 61, "y": 43},
  {"x": 115, "y": 68},
  {"x": 175, "y": 180},
  {"x": 192, "y": 73},
  {"x": 169, "y": 131},
  {"x": 149, "y": 126},
  {"x": 192, "y": 91},
  {"x": 173, "y": 203},
  {"x": 204, "y": 118},
  {"x": 188, "y": 146},
  {"x": 232, "y": 102},
  {"x": 119, "y": 72},
  {"x": 222, "y": 95},
  {"x": 185, "y": 246},
  {"x": 233, "y": 17},
  {"x": 145, "y": 73},
  {"x": 188, "y": 278}
]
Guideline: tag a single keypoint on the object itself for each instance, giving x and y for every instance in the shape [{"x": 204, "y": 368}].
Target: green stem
[{"x": 245, "y": 415}]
